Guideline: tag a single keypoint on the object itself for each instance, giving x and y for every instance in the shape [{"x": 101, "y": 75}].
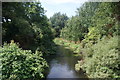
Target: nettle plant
[{"x": 20, "y": 64}]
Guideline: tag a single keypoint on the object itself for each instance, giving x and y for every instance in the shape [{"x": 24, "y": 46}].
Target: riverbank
[
  {"x": 101, "y": 60},
  {"x": 75, "y": 47},
  {"x": 98, "y": 60}
]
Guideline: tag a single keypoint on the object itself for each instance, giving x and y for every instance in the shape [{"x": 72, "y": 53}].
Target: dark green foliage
[
  {"x": 26, "y": 23},
  {"x": 18, "y": 64},
  {"x": 58, "y": 21}
]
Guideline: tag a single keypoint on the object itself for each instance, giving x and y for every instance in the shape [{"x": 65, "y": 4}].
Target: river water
[{"x": 63, "y": 65}]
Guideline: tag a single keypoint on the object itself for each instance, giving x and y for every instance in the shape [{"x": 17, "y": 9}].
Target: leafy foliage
[
  {"x": 58, "y": 21},
  {"x": 92, "y": 21},
  {"x": 67, "y": 44},
  {"x": 96, "y": 26},
  {"x": 72, "y": 31},
  {"x": 77, "y": 26},
  {"x": 105, "y": 20},
  {"x": 21, "y": 64},
  {"x": 102, "y": 59},
  {"x": 26, "y": 23}
]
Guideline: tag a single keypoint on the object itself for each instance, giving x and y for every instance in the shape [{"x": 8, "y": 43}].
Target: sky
[{"x": 64, "y": 6}]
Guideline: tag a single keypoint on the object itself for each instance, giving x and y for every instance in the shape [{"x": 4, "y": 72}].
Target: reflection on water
[
  {"x": 60, "y": 71},
  {"x": 63, "y": 65}
]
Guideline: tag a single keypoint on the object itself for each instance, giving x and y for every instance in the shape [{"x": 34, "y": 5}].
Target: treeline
[
  {"x": 27, "y": 26},
  {"x": 96, "y": 27},
  {"x": 92, "y": 21},
  {"x": 57, "y": 22}
]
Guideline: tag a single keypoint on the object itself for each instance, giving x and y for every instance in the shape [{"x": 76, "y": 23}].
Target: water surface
[{"x": 63, "y": 65}]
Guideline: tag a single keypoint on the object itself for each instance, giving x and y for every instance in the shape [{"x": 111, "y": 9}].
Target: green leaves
[
  {"x": 77, "y": 26},
  {"x": 58, "y": 21},
  {"x": 28, "y": 26},
  {"x": 21, "y": 64},
  {"x": 104, "y": 59}
]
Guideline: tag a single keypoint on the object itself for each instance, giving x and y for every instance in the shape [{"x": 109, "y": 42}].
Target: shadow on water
[{"x": 62, "y": 65}]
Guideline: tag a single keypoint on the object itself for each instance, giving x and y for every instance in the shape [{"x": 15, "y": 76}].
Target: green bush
[
  {"x": 20, "y": 64},
  {"x": 93, "y": 35},
  {"x": 104, "y": 61}
]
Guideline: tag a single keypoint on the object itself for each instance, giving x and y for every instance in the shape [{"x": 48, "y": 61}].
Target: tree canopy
[
  {"x": 58, "y": 22},
  {"x": 26, "y": 23}
]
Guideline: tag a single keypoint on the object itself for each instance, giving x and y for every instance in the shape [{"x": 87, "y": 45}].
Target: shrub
[
  {"x": 93, "y": 35},
  {"x": 104, "y": 61},
  {"x": 20, "y": 64}
]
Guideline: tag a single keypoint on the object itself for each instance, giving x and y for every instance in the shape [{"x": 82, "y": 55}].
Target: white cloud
[
  {"x": 63, "y": 1},
  {"x": 64, "y": 6}
]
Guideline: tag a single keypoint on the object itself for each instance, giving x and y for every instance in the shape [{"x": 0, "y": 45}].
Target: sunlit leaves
[
  {"x": 21, "y": 64},
  {"x": 104, "y": 61},
  {"x": 77, "y": 26}
]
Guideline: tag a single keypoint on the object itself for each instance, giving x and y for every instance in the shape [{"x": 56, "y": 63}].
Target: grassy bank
[{"x": 75, "y": 47}]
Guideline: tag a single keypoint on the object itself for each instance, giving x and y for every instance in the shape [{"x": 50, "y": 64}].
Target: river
[{"x": 63, "y": 65}]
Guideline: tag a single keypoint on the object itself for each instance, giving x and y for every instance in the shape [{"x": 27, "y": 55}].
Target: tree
[
  {"x": 58, "y": 21},
  {"x": 77, "y": 26},
  {"x": 26, "y": 23}
]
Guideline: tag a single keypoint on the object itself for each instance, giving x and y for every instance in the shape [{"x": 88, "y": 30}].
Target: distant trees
[
  {"x": 58, "y": 21},
  {"x": 77, "y": 26},
  {"x": 105, "y": 23},
  {"x": 93, "y": 20}
]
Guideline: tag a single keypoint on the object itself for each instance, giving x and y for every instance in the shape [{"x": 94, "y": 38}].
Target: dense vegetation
[
  {"x": 68, "y": 45},
  {"x": 58, "y": 22},
  {"x": 20, "y": 64},
  {"x": 26, "y": 24},
  {"x": 77, "y": 26},
  {"x": 93, "y": 33},
  {"x": 93, "y": 21},
  {"x": 97, "y": 28},
  {"x": 102, "y": 59}
]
